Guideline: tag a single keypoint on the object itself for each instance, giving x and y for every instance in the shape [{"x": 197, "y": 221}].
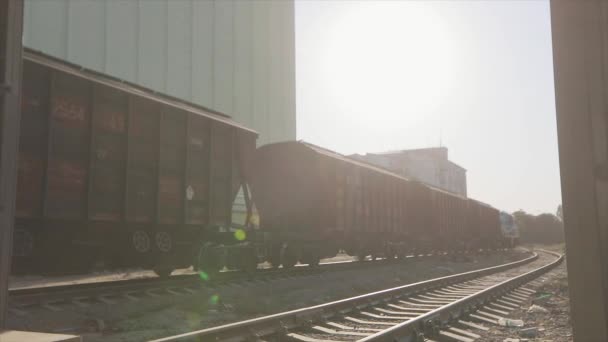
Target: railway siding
[
  {"x": 148, "y": 317},
  {"x": 372, "y": 311}
]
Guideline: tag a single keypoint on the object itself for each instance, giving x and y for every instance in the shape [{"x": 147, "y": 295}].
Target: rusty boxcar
[
  {"x": 314, "y": 202},
  {"x": 483, "y": 226},
  {"x": 110, "y": 169}
]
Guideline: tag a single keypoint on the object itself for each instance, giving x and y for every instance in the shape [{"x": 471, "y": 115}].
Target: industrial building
[
  {"x": 233, "y": 56},
  {"x": 428, "y": 165}
]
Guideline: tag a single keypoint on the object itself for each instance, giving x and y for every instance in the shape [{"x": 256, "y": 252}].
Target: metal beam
[
  {"x": 11, "y": 27},
  {"x": 580, "y": 53}
]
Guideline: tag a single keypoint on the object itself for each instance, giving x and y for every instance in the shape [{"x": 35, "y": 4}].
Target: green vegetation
[{"x": 544, "y": 228}]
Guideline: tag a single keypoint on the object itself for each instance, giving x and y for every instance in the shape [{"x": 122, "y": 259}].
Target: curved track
[{"x": 414, "y": 312}]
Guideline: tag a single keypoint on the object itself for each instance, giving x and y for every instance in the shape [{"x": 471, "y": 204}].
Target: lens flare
[
  {"x": 240, "y": 235},
  {"x": 213, "y": 300},
  {"x": 204, "y": 276}
]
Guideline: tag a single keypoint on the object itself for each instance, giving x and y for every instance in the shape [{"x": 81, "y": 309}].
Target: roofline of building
[
  {"x": 408, "y": 150},
  {"x": 412, "y": 150}
]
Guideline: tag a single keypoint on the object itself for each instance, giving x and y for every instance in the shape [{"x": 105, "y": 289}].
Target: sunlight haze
[{"x": 476, "y": 77}]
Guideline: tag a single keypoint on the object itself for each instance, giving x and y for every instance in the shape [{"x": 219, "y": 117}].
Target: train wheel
[
  {"x": 141, "y": 241},
  {"x": 164, "y": 242},
  {"x": 23, "y": 252},
  {"x": 23, "y": 243}
]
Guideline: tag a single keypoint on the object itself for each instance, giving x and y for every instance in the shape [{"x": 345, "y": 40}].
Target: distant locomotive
[
  {"x": 110, "y": 171},
  {"x": 510, "y": 230}
]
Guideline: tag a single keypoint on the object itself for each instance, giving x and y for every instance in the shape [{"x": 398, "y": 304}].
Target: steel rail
[
  {"x": 410, "y": 330},
  {"x": 283, "y": 322}
]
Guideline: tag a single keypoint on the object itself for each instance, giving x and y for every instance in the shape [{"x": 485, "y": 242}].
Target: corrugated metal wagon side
[{"x": 112, "y": 170}]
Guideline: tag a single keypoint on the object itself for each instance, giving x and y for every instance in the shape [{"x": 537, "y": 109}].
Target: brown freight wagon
[
  {"x": 483, "y": 226},
  {"x": 447, "y": 221},
  {"x": 314, "y": 202},
  {"x": 110, "y": 169},
  {"x": 491, "y": 232}
]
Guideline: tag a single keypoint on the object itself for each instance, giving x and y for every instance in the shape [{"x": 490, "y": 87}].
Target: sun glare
[{"x": 389, "y": 55}]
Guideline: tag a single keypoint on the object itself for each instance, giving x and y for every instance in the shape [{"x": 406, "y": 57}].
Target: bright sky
[{"x": 476, "y": 75}]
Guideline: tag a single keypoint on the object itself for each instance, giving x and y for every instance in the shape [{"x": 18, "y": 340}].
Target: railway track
[
  {"x": 446, "y": 308},
  {"x": 58, "y": 297}
]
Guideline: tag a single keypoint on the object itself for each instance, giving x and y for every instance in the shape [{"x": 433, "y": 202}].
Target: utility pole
[
  {"x": 580, "y": 59},
  {"x": 11, "y": 28}
]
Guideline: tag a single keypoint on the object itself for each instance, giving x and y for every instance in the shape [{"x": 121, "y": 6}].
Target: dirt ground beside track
[
  {"x": 554, "y": 324},
  {"x": 169, "y": 315},
  {"x": 27, "y": 281}
]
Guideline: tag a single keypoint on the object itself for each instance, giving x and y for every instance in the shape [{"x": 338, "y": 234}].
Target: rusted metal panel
[
  {"x": 108, "y": 155},
  {"x": 131, "y": 89},
  {"x": 197, "y": 170},
  {"x": 419, "y": 212},
  {"x": 143, "y": 153},
  {"x": 68, "y": 154},
  {"x": 221, "y": 174},
  {"x": 33, "y": 141},
  {"x": 171, "y": 189}
]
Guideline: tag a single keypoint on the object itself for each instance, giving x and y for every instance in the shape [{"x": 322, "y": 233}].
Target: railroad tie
[
  {"x": 397, "y": 313},
  {"x": 105, "y": 298},
  {"x": 129, "y": 295},
  {"x": 347, "y": 327},
  {"x": 173, "y": 291},
  {"x": 500, "y": 312},
  {"x": 483, "y": 319},
  {"x": 490, "y": 315},
  {"x": 500, "y": 306},
  {"x": 303, "y": 338},
  {"x": 473, "y": 325},
  {"x": 400, "y": 318},
  {"x": 360, "y": 321},
  {"x": 79, "y": 301},
  {"x": 450, "y": 336},
  {"x": 464, "y": 332},
  {"x": 152, "y": 293},
  {"x": 50, "y": 305},
  {"x": 430, "y": 306},
  {"x": 336, "y": 332},
  {"x": 409, "y": 310},
  {"x": 516, "y": 296}
]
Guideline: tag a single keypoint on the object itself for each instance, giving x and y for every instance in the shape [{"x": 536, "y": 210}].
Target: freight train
[{"x": 115, "y": 173}]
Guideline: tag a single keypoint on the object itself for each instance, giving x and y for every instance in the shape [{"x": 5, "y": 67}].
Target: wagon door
[
  {"x": 220, "y": 210},
  {"x": 142, "y": 169},
  {"x": 32, "y": 140},
  {"x": 350, "y": 197},
  {"x": 108, "y": 155},
  {"x": 68, "y": 164},
  {"x": 358, "y": 215},
  {"x": 171, "y": 167},
  {"x": 197, "y": 170}
]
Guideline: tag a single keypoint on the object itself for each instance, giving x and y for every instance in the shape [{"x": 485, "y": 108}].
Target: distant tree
[
  {"x": 543, "y": 228},
  {"x": 560, "y": 213}
]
